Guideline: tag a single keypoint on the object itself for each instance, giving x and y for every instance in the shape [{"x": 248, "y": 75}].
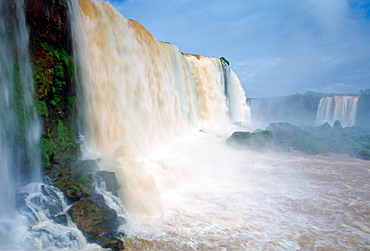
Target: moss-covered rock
[
  {"x": 51, "y": 54},
  {"x": 258, "y": 140},
  {"x": 55, "y": 95},
  {"x": 93, "y": 217}
]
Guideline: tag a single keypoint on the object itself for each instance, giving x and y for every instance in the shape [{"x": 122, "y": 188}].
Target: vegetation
[
  {"x": 258, "y": 140},
  {"x": 324, "y": 138},
  {"x": 53, "y": 71},
  {"x": 224, "y": 60},
  {"x": 354, "y": 141}
]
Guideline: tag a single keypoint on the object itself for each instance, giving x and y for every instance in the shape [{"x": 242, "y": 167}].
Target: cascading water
[
  {"x": 341, "y": 108},
  {"x": 19, "y": 127},
  {"x": 240, "y": 112},
  {"x": 29, "y": 210},
  {"x": 138, "y": 94},
  {"x": 158, "y": 118}
]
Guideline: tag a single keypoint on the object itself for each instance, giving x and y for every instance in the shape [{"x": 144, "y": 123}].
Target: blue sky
[{"x": 277, "y": 47}]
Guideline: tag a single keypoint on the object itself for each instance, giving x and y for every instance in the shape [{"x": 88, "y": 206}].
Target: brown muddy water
[{"x": 228, "y": 199}]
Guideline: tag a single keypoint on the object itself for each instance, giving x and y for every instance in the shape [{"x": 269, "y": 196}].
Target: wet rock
[
  {"x": 87, "y": 166},
  {"x": 60, "y": 219},
  {"x": 114, "y": 244},
  {"x": 109, "y": 179},
  {"x": 97, "y": 221}
]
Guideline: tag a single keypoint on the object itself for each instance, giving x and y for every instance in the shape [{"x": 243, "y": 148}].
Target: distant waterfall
[
  {"x": 341, "y": 108},
  {"x": 138, "y": 94}
]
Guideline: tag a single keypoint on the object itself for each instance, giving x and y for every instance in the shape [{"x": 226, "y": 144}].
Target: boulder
[
  {"x": 256, "y": 141},
  {"x": 97, "y": 221}
]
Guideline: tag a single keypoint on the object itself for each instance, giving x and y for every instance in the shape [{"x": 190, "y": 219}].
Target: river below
[{"x": 219, "y": 198}]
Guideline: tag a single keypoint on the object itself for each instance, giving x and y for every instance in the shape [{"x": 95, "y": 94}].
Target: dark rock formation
[
  {"x": 93, "y": 217},
  {"x": 109, "y": 179},
  {"x": 97, "y": 221}
]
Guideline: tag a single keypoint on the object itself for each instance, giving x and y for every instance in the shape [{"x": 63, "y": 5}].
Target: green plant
[
  {"x": 224, "y": 60},
  {"x": 75, "y": 188}
]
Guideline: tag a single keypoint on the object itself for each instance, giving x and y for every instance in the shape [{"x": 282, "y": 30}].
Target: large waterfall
[
  {"x": 158, "y": 118},
  {"x": 138, "y": 94},
  {"x": 341, "y": 108}
]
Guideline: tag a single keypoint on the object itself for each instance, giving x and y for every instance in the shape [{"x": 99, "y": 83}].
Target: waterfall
[
  {"x": 30, "y": 212},
  {"x": 239, "y": 111},
  {"x": 341, "y": 108},
  {"x": 19, "y": 126},
  {"x": 137, "y": 94}
]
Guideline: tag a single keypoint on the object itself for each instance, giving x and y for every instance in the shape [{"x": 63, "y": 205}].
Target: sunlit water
[{"x": 218, "y": 198}]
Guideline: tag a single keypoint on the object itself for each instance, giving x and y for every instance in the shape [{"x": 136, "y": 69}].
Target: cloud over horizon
[{"x": 275, "y": 47}]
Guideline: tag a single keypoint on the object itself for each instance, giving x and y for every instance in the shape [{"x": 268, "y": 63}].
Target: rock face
[
  {"x": 53, "y": 68},
  {"x": 97, "y": 221}
]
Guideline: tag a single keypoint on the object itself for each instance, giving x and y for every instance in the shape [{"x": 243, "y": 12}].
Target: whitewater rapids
[
  {"x": 216, "y": 197},
  {"x": 159, "y": 118}
]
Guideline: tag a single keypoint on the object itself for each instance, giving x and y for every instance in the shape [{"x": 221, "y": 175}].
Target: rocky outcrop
[
  {"x": 53, "y": 69},
  {"x": 97, "y": 221},
  {"x": 55, "y": 90},
  {"x": 258, "y": 140}
]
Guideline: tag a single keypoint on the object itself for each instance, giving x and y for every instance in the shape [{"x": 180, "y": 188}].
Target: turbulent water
[
  {"x": 27, "y": 207},
  {"x": 159, "y": 119},
  {"x": 219, "y": 198},
  {"x": 137, "y": 94},
  {"x": 19, "y": 127},
  {"x": 341, "y": 108}
]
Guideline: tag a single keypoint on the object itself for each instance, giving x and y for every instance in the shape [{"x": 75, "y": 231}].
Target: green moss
[
  {"x": 76, "y": 188},
  {"x": 42, "y": 108},
  {"x": 47, "y": 146},
  {"x": 54, "y": 101},
  {"x": 84, "y": 178},
  {"x": 95, "y": 210}
]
